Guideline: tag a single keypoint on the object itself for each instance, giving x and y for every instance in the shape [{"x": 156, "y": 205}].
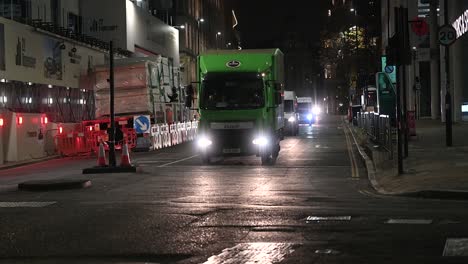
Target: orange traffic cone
[
  {"x": 125, "y": 161},
  {"x": 102, "y": 156}
]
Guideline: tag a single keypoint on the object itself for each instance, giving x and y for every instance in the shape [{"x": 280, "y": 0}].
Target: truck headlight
[
  {"x": 260, "y": 141},
  {"x": 309, "y": 117},
  {"x": 292, "y": 119},
  {"x": 204, "y": 142},
  {"x": 316, "y": 110}
]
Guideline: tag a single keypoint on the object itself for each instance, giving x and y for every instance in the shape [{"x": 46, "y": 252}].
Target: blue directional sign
[
  {"x": 142, "y": 124},
  {"x": 389, "y": 69}
]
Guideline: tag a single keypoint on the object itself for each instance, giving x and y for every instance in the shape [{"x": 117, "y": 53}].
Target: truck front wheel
[{"x": 267, "y": 159}]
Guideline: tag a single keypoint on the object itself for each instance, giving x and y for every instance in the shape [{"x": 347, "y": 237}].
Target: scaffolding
[{"x": 60, "y": 104}]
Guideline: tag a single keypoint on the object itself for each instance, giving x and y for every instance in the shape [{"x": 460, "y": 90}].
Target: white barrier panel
[
  {"x": 165, "y": 136},
  {"x": 156, "y": 137},
  {"x": 194, "y": 129},
  {"x": 188, "y": 131},
  {"x": 181, "y": 132},
  {"x": 173, "y": 132}
]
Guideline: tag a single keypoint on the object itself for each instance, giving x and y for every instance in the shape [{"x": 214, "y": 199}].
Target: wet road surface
[{"x": 314, "y": 206}]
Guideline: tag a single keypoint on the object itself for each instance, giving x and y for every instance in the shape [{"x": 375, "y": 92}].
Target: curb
[
  {"x": 54, "y": 185},
  {"x": 30, "y": 162},
  {"x": 371, "y": 172},
  {"x": 440, "y": 194},
  {"x": 425, "y": 194}
]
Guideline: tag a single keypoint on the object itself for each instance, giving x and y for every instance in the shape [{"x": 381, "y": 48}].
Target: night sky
[{"x": 264, "y": 21}]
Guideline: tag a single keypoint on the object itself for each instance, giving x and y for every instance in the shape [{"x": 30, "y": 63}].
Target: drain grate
[{"x": 25, "y": 204}]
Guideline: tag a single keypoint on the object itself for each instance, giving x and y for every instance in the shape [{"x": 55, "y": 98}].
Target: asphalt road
[{"x": 314, "y": 206}]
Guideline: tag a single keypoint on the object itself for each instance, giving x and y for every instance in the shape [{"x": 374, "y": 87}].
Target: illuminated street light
[{"x": 217, "y": 34}]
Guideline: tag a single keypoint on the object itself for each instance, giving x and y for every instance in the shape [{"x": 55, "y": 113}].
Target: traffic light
[
  {"x": 391, "y": 51},
  {"x": 398, "y": 51}
]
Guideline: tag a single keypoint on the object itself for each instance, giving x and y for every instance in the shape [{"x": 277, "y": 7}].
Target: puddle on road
[{"x": 258, "y": 253}]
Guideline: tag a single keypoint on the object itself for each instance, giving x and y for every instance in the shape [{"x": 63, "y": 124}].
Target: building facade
[
  {"x": 50, "y": 51},
  {"x": 48, "y": 48},
  {"x": 426, "y": 76},
  {"x": 202, "y": 24},
  {"x": 350, "y": 51}
]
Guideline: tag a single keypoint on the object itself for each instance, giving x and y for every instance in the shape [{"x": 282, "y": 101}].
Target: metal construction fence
[{"x": 378, "y": 128}]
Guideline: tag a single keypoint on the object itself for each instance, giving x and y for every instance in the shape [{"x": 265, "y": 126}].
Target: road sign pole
[
  {"x": 112, "y": 161},
  {"x": 448, "y": 99}
]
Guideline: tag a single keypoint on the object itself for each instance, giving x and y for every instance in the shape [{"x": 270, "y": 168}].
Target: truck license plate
[{"x": 231, "y": 151}]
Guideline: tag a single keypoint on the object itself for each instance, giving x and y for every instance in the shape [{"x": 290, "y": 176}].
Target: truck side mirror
[
  {"x": 278, "y": 98},
  {"x": 277, "y": 86}
]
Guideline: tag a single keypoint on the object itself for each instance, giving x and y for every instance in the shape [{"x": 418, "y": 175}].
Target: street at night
[
  {"x": 315, "y": 205},
  {"x": 233, "y": 131}
]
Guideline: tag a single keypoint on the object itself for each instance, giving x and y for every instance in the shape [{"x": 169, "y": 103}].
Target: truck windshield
[
  {"x": 304, "y": 107},
  {"x": 288, "y": 106},
  {"x": 224, "y": 92}
]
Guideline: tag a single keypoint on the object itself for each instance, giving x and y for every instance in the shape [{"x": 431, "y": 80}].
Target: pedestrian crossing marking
[
  {"x": 410, "y": 221},
  {"x": 258, "y": 253},
  {"x": 456, "y": 247},
  {"x": 25, "y": 204}
]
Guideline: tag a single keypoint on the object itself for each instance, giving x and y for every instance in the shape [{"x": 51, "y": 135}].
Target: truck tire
[{"x": 266, "y": 159}]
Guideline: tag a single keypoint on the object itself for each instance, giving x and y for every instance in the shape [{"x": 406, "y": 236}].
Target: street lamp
[
  {"x": 199, "y": 21},
  {"x": 353, "y": 10},
  {"x": 217, "y": 34}
]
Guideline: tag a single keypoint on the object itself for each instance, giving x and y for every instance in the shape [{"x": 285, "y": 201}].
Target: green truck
[{"x": 241, "y": 95}]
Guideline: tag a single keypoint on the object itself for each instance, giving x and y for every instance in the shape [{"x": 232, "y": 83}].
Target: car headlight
[
  {"x": 204, "y": 142},
  {"x": 260, "y": 141},
  {"x": 292, "y": 119},
  {"x": 316, "y": 110},
  {"x": 309, "y": 116}
]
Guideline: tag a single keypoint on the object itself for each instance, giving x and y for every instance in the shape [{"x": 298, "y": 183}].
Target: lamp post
[
  {"x": 217, "y": 34},
  {"x": 199, "y": 22},
  {"x": 356, "y": 43},
  {"x": 353, "y": 10}
]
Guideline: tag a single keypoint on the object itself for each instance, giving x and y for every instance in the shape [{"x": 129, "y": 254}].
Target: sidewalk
[
  {"x": 10, "y": 165},
  {"x": 430, "y": 166}
]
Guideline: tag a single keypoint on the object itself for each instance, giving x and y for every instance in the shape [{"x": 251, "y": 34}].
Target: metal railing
[{"x": 378, "y": 128}]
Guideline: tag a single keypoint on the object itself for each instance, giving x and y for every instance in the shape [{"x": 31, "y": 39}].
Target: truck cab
[
  {"x": 290, "y": 113},
  {"x": 241, "y": 104},
  {"x": 307, "y": 113}
]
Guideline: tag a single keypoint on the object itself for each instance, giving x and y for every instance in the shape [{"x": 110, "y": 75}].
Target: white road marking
[
  {"x": 149, "y": 161},
  {"x": 327, "y": 252},
  {"x": 410, "y": 221},
  {"x": 456, "y": 247},
  {"x": 328, "y": 218},
  {"x": 258, "y": 253},
  {"x": 25, "y": 204},
  {"x": 177, "y": 161}
]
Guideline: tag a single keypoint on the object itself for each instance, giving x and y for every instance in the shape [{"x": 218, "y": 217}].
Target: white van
[{"x": 290, "y": 113}]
